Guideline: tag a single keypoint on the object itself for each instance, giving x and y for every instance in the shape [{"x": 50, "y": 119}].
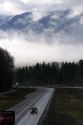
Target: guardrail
[{"x": 42, "y": 120}]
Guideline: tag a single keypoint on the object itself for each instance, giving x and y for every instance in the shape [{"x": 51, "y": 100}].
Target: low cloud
[
  {"x": 12, "y": 7},
  {"x": 30, "y": 52},
  {"x": 29, "y": 49}
]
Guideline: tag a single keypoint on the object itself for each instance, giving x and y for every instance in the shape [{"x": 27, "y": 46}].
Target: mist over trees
[
  {"x": 52, "y": 73},
  {"x": 40, "y": 74},
  {"x": 6, "y": 70}
]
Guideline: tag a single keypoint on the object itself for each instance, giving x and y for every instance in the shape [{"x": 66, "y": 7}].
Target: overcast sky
[
  {"x": 19, "y": 6},
  {"x": 31, "y": 52}
]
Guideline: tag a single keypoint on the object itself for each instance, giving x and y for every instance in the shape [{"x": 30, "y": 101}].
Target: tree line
[
  {"x": 6, "y": 70},
  {"x": 68, "y": 73}
]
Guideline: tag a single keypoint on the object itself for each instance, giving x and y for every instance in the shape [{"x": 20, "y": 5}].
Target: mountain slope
[{"x": 53, "y": 22}]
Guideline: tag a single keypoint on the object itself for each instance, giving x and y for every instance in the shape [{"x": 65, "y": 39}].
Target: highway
[{"x": 39, "y": 99}]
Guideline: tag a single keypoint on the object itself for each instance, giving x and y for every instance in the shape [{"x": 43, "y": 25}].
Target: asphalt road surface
[{"x": 37, "y": 99}]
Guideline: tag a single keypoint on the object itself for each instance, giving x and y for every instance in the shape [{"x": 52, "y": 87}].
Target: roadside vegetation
[
  {"x": 6, "y": 70},
  {"x": 10, "y": 99},
  {"x": 66, "y": 107}
]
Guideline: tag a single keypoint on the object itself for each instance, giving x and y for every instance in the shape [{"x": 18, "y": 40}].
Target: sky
[
  {"x": 38, "y": 50},
  {"x": 19, "y": 6}
]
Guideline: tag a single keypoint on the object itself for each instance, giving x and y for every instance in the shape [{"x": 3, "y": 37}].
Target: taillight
[{"x": 1, "y": 118}]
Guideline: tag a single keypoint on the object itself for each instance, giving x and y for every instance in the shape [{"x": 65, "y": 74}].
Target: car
[{"x": 33, "y": 110}]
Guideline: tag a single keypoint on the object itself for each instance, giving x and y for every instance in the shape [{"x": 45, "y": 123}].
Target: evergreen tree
[{"x": 6, "y": 70}]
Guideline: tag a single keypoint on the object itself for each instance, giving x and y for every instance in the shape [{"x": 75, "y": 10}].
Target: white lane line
[{"x": 29, "y": 119}]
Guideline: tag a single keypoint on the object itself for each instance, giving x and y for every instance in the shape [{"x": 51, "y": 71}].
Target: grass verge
[
  {"x": 13, "y": 98},
  {"x": 66, "y": 107}
]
